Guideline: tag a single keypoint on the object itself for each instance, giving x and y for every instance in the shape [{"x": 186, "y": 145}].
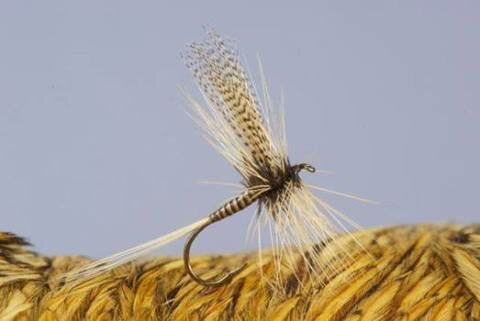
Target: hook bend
[{"x": 214, "y": 281}]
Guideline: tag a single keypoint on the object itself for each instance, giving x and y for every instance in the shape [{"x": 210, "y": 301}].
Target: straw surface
[{"x": 411, "y": 273}]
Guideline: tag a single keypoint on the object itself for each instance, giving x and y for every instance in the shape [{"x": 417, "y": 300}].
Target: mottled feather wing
[{"x": 216, "y": 66}]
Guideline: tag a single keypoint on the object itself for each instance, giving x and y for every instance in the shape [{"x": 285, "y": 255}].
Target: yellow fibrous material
[{"x": 427, "y": 272}]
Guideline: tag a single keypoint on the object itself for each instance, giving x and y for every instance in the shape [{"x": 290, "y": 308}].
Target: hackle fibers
[{"x": 422, "y": 272}]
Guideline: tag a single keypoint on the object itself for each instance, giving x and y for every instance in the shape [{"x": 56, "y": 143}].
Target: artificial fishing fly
[{"x": 251, "y": 136}]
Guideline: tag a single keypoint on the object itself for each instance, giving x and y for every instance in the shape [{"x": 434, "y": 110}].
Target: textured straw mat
[{"x": 423, "y": 272}]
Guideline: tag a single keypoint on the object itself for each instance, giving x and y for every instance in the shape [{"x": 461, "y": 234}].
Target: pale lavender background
[{"x": 97, "y": 154}]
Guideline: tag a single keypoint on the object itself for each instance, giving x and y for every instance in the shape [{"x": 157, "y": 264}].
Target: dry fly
[{"x": 250, "y": 135}]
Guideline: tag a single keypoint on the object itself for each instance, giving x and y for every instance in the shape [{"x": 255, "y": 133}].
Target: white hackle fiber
[{"x": 97, "y": 267}]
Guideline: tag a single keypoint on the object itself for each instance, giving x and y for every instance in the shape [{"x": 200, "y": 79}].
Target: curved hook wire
[{"x": 188, "y": 267}]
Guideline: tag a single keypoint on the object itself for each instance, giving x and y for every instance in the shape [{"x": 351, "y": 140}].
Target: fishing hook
[{"x": 188, "y": 267}]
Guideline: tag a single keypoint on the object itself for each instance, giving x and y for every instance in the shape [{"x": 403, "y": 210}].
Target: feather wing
[{"x": 235, "y": 121}]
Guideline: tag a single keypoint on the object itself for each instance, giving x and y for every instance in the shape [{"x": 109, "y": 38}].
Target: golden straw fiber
[{"x": 422, "y": 272}]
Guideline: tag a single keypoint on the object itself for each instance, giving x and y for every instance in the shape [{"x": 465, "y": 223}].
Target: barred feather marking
[{"x": 216, "y": 66}]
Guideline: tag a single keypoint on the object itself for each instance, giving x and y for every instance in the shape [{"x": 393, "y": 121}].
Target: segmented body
[{"x": 235, "y": 205}]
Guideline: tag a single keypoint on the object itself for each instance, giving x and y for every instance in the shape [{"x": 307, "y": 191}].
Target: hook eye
[
  {"x": 304, "y": 166},
  {"x": 309, "y": 168}
]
